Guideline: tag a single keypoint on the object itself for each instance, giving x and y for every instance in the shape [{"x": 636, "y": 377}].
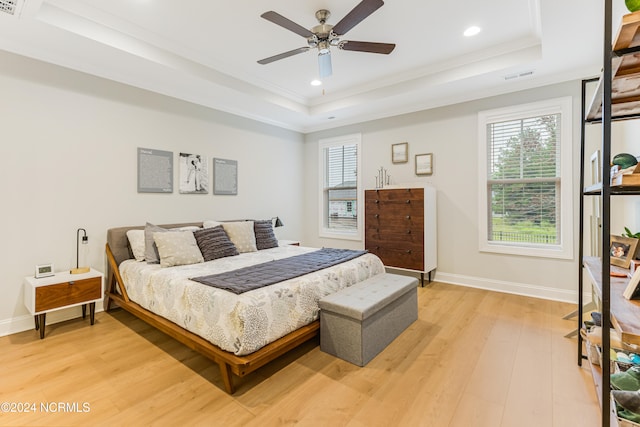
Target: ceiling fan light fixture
[
  {"x": 324, "y": 35},
  {"x": 323, "y": 48},
  {"x": 324, "y": 64}
]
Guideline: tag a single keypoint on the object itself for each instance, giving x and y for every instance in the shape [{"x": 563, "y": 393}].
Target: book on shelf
[{"x": 632, "y": 287}]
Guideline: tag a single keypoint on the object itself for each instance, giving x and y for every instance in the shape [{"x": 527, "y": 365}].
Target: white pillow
[
  {"x": 136, "y": 241},
  {"x": 210, "y": 223},
  {"x": 177, "y": 248},
  {"x": 242, "y": 235}
]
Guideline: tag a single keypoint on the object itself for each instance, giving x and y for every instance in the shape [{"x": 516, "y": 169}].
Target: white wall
[
  {"x": 450, "y": 133},
  {"x": 68, "y": 152},
  {"x": 69, "y": 145}
]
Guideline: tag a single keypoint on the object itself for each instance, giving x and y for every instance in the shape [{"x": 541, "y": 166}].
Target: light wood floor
[{"x": 473, "y": 358}]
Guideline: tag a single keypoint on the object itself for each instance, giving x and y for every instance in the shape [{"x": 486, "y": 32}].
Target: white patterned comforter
[{"x": 243, "y": 323}]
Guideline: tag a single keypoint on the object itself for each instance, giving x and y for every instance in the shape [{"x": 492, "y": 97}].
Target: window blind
[
  {"x": 524, "y": 180},
  {"x": 341, "y": 186}
]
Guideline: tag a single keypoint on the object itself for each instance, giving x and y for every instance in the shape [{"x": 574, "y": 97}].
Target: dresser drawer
[
  {"x": 413, "y": 195},
  {"x": 407, "y": 257},
  {"x": 67, "y": 293},
  {"x": 387, "y": 237}
]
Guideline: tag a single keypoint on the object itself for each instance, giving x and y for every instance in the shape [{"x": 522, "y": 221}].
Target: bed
[{"x": 240, "y": 332}]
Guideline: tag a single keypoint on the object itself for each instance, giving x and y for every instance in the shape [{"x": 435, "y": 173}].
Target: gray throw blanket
[{"x": 260, "y": 275}]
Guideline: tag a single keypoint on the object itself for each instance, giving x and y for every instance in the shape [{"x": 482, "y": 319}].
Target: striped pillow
[
  {"x": 214, "y": 243},
  {"x": 265, "y": 238}
]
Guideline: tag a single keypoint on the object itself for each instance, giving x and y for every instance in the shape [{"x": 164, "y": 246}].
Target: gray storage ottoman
[{"x": 358, "y": 322}]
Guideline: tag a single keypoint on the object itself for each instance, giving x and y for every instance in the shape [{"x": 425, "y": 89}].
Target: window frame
[
  {"x": 324, "y": 231},
  {"x": 564, "y": 249}
]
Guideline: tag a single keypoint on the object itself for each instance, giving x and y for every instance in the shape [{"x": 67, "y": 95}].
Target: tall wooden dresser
[{"x": 400, "y": 227}]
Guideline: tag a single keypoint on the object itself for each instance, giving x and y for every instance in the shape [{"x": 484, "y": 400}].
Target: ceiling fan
[{"x": 324, "y": 35}]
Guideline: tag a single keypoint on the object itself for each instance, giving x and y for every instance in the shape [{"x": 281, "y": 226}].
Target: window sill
[
  {"x": 557, "y": 252},
  {"x": 326, "y": 234}
]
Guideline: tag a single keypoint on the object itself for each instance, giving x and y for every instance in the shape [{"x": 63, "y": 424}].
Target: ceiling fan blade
[
  {"x": 357, "y": 14},
  {"x": 283, "y": 55},
  {"x": 324, "y": 65},
  {"x": 384, "y": 48},
  {"x": 278, "y": 19}
]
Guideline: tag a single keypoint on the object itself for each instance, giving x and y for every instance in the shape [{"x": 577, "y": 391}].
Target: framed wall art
[
  {"x": 194, "y": 174},
  {"x": 155, "y": 171},
  {"x": 225, "y": 177},
  {"x": 424, "y": 164},
  {"x": 400, "y": 152}
]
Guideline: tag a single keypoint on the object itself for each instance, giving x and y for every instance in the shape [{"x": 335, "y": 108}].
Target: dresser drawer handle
[
  {"x": 408, "y": 216},
  {"x": 377, "y": 216},
  {"x": 408, "y": 251},
  {"x": 408, "y": 201},
  {"x": 408, "y": 231},
  {"x": 72, "y": 283},
  {"x": 377, "y": 201}
]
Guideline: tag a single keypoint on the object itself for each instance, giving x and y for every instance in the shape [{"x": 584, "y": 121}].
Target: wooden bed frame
[{"x": 228, "y": 362}]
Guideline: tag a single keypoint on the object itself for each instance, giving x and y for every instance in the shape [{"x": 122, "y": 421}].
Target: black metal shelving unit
[{"x": 611, "y": 60}]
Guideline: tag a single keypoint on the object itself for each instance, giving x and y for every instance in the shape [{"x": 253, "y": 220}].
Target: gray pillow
[
  {"x": 150, "y": 249},
  {"x": 214, "y": 243},
  {"x": 265, "y": 238}
]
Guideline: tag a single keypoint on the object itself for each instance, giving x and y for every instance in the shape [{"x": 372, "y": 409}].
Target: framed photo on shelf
[
  {"x": 424, "y": 164},
  {"x": 632, "y": 287},
  {"x": 400, "y": 152},
  {"x": 622, "y": 250}
]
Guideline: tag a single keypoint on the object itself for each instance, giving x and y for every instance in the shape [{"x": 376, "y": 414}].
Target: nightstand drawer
[{"x": 68, "y": 293}]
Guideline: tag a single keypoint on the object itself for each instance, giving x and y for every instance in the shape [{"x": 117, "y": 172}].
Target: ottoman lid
[{"x": 369, "y": 296}]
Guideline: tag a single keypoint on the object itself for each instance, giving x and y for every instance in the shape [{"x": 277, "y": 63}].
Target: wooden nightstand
[{"x": 62, "y": 290}]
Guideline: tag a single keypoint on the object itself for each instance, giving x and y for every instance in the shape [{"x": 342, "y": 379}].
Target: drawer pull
[
  {"x": 408, "y": 251},
  {"x": 408, "y": 201},
  {"x": 408, "y": 231},
  {"x": 377, "y": 216},
  {"x": 377, "y": 201},
  {"x": 408, "y": 216},
  {"x": 72, "y": 283}
]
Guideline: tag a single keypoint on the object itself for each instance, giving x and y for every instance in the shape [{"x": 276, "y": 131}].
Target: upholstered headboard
[{"x": 119, "y": 244}]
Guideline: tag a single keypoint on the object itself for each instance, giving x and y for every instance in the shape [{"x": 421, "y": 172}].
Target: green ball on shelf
[
  {"x": 624, "y": 160},
  {"x": 632, "y": 5}
]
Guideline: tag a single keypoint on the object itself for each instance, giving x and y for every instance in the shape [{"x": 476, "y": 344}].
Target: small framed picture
[
  {"x": 424, "y": 164},
  {"x": 400, "y": 152},
  {"x": 622, "y": 250}
]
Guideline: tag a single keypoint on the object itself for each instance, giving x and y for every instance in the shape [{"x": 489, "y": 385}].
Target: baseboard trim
[
  {"x": 25, "y": 322},
  {"x": 523, "y": 289}
]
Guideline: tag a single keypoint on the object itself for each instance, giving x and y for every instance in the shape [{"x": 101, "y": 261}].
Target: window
[
  {"x": 340, "y": 184},
  {"x": 525, "y": 179}
]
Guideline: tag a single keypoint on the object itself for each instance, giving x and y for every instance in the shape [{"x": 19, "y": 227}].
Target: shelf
[
  {"x": 596, "y": 190},
  {"x": 625, "y": 90},
  {"x": 625, "y": 314}
]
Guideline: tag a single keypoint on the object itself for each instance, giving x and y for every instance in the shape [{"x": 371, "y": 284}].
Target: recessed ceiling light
[
  {"x": 316, "y": 82},
  {"x": 472, "y": 31}
]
